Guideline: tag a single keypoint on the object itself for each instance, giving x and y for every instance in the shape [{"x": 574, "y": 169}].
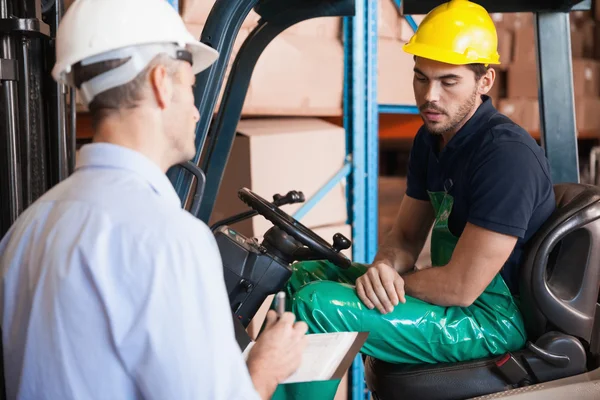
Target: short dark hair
[
  {"x": 479, "y": 70},
  {"x": 124, "y": 96}
]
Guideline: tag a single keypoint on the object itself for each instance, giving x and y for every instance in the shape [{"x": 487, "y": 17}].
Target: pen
[{"x": 280, "y": 304}]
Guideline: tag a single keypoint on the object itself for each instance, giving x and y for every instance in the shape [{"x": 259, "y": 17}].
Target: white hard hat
[{"x": 97, "y": 30}]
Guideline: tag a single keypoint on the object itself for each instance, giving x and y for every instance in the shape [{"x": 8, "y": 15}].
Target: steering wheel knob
[
  {"x": 292, "y": 197},
  {"x": 340, "y": 242}
]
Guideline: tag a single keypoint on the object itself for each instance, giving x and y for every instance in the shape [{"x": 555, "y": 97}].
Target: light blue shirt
[{"x": 110, "y": 290}]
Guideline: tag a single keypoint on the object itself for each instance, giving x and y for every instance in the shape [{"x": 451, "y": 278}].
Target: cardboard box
[
  {"x": 522, "y": 79},
  {"x": 586, "y": 82},
  {"x": 389, "y": 22},
  {"x": 395, "y": 74},
  {"x": 524, "y": 45},
  {"x": 298, "y": 76},
  {"x": 407, "y": 30},
  {"x": 295, "y": 75},
  {"x": 524, "y": 112},
  {"x": 586, "y": 113},
  {"x": 588, "y": 30},
  {"x": 276, "y": 155},
  {"x": 582, "y": 43},
  {"x": 578, "y": 42},
  {"x": 581, "y": 17},
  {"x": 512, "y": 21},
  {"x": 505, "y": 48},
  {"x": 197, "y": 11}
]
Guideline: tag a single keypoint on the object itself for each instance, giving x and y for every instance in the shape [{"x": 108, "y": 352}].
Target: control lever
[
  {"x": 291, "y": 197},
  {"x": 557, "y": 360},
  {"x": 340, "y": 242}
]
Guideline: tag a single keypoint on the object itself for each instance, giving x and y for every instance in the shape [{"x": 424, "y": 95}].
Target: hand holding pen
[
  {"x": 278, "y": 350},
  {"x": 280, "y": 304}
]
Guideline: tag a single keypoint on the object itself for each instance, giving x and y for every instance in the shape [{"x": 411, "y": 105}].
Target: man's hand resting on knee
[
  {"x": 277, "y": 352},
  {"x": 382, "y": 287}
]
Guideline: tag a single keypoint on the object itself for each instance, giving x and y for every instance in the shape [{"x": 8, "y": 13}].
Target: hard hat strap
[{"x": 138, "y": 58}]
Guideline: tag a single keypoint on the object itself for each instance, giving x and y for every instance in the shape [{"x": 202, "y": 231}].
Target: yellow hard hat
[{"x": 457, "y": 32}]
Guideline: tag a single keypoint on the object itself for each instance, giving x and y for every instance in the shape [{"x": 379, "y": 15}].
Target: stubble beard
[{"x": 456, "y": 120}]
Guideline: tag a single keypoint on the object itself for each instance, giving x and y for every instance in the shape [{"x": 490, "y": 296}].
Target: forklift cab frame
[{"x": 214, "y": 140}]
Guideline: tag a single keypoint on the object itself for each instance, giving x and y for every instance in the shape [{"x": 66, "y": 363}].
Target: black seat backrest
[{"x": 560, "y": 275}]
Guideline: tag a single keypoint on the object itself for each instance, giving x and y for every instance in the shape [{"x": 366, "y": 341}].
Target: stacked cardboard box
[
  {"x": 276, "y": 155},
  {"x": 519, "y": 92},
  {"x": 395, "y": 67},
  {"x": 300, "y": 73}
]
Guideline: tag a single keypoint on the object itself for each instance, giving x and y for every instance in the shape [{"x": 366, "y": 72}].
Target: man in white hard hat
[{"x": 110, "y": 290}]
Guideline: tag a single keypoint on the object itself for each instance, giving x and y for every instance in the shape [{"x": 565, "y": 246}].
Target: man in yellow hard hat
[{"x": 478, "y": 182}]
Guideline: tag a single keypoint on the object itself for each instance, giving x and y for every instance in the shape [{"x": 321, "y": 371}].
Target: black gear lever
[
  {"x": 340, "y": 242},
  {"x": 291, "y": 197}
]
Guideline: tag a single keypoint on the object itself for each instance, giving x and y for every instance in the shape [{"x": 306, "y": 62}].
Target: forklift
[{"x": 561, "y": 271}]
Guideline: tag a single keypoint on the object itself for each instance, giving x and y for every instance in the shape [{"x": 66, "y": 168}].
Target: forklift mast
[{"x": 37, "y": 115}]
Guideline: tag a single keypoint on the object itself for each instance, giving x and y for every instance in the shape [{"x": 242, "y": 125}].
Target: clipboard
[{"x": 327, "y": 356}]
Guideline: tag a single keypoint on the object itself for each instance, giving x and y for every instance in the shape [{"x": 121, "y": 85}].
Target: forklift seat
[{"x": 559, "y": 285}]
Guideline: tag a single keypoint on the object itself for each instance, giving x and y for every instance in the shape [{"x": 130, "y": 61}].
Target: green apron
[{"x": 416, "y": 332}]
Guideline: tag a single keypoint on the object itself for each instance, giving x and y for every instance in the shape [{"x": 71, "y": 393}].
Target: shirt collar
[
  {"x": 485, "y": 110},
  {"x": 107, "y": 155}
]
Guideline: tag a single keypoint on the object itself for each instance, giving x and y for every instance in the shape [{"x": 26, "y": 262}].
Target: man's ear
[
  {"x": 487, "y": 81},
  {"x": 162, "y": 86}
]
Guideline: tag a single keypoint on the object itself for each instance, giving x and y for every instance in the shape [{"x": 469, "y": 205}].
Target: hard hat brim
[
  {"x": 203, "y": 56},
  {"x": 445, "y": 56}
]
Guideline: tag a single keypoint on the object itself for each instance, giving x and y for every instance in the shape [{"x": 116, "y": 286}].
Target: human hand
[
  {"x": 382, "y": 287},
  {"x": 277, "y": 352}
]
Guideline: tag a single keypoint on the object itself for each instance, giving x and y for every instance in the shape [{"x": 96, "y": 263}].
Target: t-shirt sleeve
[
  {"x": 505, "y": 186},
  {"x": 416, "y": 177}
]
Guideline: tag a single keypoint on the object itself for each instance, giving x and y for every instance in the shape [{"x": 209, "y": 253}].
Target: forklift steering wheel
[{"x": 298, "y": 231}]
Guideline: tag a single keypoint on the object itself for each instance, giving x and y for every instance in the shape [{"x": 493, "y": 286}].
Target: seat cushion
[{"x": 432, "y": 382}]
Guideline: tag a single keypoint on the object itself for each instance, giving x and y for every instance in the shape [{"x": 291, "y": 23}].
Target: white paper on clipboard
[{"x": 327, "y": 356}]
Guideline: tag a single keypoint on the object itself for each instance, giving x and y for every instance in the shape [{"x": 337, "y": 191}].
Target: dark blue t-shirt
[{"x": 497, "y": 174}]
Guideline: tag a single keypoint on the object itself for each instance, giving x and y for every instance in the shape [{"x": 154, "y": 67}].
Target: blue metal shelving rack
[{"x": 361, "y": 124}]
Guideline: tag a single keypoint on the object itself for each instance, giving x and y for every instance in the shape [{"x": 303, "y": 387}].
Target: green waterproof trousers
[{"x": 416, "y": 332}]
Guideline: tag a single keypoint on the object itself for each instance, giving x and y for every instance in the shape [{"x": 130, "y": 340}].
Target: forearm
[
  {"x": 439, "y": 285},
  {"x": 398, "y": 252},
  {"x": 264, "y": 385}
]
